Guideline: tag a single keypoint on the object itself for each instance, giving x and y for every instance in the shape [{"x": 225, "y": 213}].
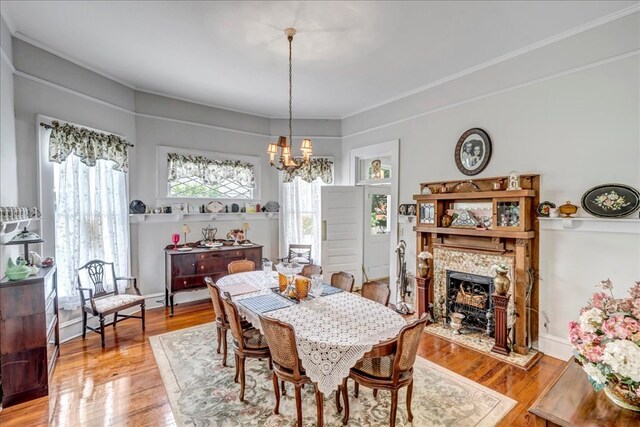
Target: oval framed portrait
[{"x": 473, "y": 151}]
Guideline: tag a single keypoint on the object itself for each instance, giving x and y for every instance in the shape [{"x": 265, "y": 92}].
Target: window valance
[
  {"x": 316, "y": 168},
  {"x": 88, "y": 145},
  {"x": 208, "y": 170}
]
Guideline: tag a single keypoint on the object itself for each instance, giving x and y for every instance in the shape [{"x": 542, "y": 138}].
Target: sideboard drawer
[
  {"x": 211, "y": 265},
  {"x": 234, "y": 254},
  {"x": 188, "y": 282},
  {"x": 183, "y": 265}
]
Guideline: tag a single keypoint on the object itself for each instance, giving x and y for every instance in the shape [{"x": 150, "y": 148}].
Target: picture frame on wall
[{"x": 473, "y": 151}]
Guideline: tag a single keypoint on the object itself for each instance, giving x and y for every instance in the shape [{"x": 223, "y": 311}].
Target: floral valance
[
  {"x": 316, "y": 168},
  {"x": 210, "y": 171},
  {"x": 88, "y": 145}
]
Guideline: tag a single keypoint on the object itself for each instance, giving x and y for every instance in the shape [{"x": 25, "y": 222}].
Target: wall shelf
[
  {"x": 200, "y": 217},
  {"x": 592, "y": 224},
  {"x": 406, "y": 219},
  {"x": 8, "y": 229}
]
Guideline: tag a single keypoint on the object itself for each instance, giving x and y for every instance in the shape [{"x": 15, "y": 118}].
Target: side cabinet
[{"x": 185, "y": 271}]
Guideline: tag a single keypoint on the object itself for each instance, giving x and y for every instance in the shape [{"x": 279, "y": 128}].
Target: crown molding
[
  {"x": 605, "y": 61},
  {"x": 513, "y": 54}
]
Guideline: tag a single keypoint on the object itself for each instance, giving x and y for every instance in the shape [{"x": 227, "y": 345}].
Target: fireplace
[{"x": 470, "y": 294}]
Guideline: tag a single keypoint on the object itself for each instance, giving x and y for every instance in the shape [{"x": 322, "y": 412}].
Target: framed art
[{"x": 473, "y": 151}]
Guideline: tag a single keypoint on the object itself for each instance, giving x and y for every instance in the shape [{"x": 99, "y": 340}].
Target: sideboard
[
  {"x": 185, "y": 271},
  {"x": 29, "y": 336}
]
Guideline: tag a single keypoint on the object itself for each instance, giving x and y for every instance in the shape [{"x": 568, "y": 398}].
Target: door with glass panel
[{"x": 377, "y": 227}]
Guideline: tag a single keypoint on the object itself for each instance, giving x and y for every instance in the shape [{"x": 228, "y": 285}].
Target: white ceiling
[{"x": 348, "y": 56}]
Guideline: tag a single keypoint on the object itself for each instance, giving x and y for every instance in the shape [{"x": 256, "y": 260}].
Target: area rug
[
  {"x": 202, "y": 392},
  {"x": 476, "y": 341}
]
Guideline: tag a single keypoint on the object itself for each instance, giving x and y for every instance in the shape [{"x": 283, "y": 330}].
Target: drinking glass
[
  {"x": 175, "y": 238},
  {"x": 267, "y": 267},
  {"x": 317, "y": 285}
]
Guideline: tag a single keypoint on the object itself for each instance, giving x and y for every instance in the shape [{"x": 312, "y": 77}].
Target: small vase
[
  {"x": 423, "y": 268},
  {"x": 456, "y": 322},
  {"x": 446, "y": 220},
  {"x": 501, "y": 282},
  {"x": 622, "y": 397}
]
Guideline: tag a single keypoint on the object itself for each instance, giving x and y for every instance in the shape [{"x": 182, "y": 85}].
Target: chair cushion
[
  {"x": 111, "y": 302},
  {"x": 379, "y": 367},
  {"x": 254, "y": 339}
]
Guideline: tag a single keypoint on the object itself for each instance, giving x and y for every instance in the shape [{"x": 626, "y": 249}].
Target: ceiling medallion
[{"x": 283, "y": 148}]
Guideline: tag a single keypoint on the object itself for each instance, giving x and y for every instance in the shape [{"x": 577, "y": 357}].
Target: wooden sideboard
[
  {"x": 29, "y": 336},
  {"x": 185, "y": 271},
  {"x": 570, "y": 401}
]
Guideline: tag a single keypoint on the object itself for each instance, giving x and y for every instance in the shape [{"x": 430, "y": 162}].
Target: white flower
[
  {"x": 624, "y": 358},
  {"x": 425, "y": 255},
  {"x": 591, "y": 319},
  {"x": 503, "y": 268},
  {"x": 594, "y": 373}
]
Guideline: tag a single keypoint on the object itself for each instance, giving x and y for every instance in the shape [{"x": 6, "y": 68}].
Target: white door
[
  {"x": 341, "y": 211},
  {"x": 377, "y": 227}
]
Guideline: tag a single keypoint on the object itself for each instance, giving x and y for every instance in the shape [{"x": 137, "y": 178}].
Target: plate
[
  {"x": 213, "y": 245},
  {"x": 137, "y": 207},
  {"x": 235, "y": 207},
  {"x": 185, "y": 249},
  {"x": 246, "y": 244},
  {"x": 611, "y": 200},
  {"x": 215, "y": 207},
  {"x": 543, "y": 208}
]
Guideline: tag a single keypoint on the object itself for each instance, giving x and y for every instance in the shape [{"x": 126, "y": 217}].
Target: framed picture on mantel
[{"x": 473, "y": 151}]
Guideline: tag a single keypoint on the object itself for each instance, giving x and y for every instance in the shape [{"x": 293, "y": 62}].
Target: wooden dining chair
[
  {"x": 376, "y": 291},
  {"x": 343, "y": 281},
  {"x": 247, "y": 343},
  {"x": 298, "y": 253},
  {"x": 241, "y": 266},
  {"x": 222, "y": 323},
  {"x": 311, "y": 269},
  {"x": 390, "y": 369},
  {"x": 287, "y": 366}
]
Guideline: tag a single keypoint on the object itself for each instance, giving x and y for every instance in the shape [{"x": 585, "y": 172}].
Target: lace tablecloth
[{"x": 332, "y": 332}]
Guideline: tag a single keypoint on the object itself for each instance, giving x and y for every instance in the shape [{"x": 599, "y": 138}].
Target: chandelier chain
[{"x": 290, "y": 94}]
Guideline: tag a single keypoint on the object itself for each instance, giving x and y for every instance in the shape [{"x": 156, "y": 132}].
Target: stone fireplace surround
[{"x": 471, "y": 262}]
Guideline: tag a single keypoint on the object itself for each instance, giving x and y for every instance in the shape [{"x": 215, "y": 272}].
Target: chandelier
[{"x": 283, "y": 148}]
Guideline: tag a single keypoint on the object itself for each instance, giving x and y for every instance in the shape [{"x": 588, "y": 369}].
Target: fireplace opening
[{"x": 470, "y": 294}]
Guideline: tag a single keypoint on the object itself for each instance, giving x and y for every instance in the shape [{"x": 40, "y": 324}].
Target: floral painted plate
[
  {"x": 543, "y": 208},
  {"x": 611, "y": 201}
]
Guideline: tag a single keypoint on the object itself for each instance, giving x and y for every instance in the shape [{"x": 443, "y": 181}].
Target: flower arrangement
[
  {"x": 502, "y": 268},
  {"x": 425, "y": 255},
  {"x": 606, "y": 342}
]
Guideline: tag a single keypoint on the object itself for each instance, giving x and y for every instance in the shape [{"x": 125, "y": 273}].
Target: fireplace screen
[{"x": 470, "y": 295}]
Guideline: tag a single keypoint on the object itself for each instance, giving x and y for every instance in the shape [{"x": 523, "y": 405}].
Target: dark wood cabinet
[
  {"x": 185, "y": 271},
  {"x": 29, "y": 336}
]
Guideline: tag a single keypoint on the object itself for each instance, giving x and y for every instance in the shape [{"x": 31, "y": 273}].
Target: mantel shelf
[
  {"x": 406, "y": 219},
  {"x": 592, "y": 224},
  {"x": 476, "y": 232},
  {"x": 476, "y": 195},
  {"x": 200, "y": 217}
]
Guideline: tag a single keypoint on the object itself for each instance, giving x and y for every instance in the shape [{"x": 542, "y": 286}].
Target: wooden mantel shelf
[
  {"x": 476, "y": 195},
  {"x": 476, "y": 232}
]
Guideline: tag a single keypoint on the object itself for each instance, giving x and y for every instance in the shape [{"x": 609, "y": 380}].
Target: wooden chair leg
[
  {"x": 102, "y": 329},
  {"x": 298, "y": 404},
  {"x": 394, "y": 408},
  {"x": 242, "y": 378},
  {"x": 270, "y": 365},
  {"x": 235, "y": 379},
  {"x": 276, "y": 390},
  {"x": 345, "y": 396},
  {"x": 320, "y": 407},
  {"x": 375, "y": 393},
  {"x": 409, "y": 396},
  {"x": 219, "y": 336},
  {"x": 338, "y": 406},
  {"x": 115, "y": 319},
  {"x": 224, "y": 347},
  {"x": 142, "y": 309},
  {"x": 84, "y": 324},
  {"x": 356, "y": 389},
  {"x": 284, "y": 390}
]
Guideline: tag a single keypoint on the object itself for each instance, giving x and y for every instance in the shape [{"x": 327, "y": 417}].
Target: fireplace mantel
[{"x": 510, "y": 239}]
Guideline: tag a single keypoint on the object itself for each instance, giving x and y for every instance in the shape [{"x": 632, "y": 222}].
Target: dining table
[{"x": 333, "y": 331}]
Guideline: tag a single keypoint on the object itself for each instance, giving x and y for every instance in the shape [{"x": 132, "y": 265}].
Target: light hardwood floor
[{"x": 121, "y": 385}]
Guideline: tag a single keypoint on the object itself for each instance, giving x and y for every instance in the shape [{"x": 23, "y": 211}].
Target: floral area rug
[{"x": 202, "y": 392}]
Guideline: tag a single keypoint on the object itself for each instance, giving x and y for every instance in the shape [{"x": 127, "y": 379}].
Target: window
[
  {"x": 379, "y": 204},
  {"x": 186, "y": 173}
]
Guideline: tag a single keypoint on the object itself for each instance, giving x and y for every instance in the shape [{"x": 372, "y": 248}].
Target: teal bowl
[{"x": 18, "y": 275}]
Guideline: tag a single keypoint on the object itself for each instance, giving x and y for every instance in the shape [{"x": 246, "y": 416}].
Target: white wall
[
  {"x": 576, "y": 129},
  {"x": 8, "y": 171}
]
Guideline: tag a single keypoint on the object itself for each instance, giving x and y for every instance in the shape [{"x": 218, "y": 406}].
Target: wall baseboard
[{"x": 554, "y": 346}]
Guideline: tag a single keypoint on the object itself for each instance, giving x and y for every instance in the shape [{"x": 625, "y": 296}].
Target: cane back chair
[
  {"x": 343, "y": 281},
  {"x": 376, "y": 291}
]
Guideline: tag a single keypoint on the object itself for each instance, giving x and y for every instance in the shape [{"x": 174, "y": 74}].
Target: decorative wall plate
[
  {"x": 611, "y": 200},
  {"x": 215, "y": 207},
  {"x": 271, "y": 207},
  {"x": 137, "y": 207},
  {"x": 235, "y": 207},
  {"x": 464, "y": 219},
  {"x": 543, "y": 208}
]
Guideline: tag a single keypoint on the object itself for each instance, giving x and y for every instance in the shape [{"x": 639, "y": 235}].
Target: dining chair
[
  {"x": 98, "y": 301},
  {"x": 298, "y": 253},
  {"x": 247, "y": 343},
  {"x": 310, "y": 269},
  {"x": 241, "y": 266},
  {"x": 343, "y": 281},
  {"x": 287, "y": 366},
  {"x": 376, "y": 291},
  {"x": 222, "y": 323},
  {"x": 390, "y": 369}
]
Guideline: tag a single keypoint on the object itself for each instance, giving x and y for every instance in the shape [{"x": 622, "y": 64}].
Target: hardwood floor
[{"x": 121, "y": 385}]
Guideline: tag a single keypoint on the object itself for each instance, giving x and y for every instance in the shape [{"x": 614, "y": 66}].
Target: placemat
[
  {"x": 263, "y": 303},
  {"x": 329, "y": 290},
  {"x": 240, "y": 289}
]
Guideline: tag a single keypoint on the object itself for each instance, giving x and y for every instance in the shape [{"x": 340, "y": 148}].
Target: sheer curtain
[{"x": 91, "y": 221}]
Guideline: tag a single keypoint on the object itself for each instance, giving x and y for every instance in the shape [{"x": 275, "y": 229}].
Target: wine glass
[
  {"x": 317, "y": 285},
  {"x": 175, "y": 238}
]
